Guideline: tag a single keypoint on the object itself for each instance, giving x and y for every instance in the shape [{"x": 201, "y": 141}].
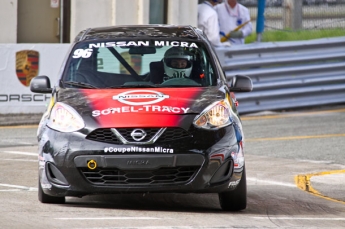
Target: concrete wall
[
  {"x": 8, "y": 21},
  {"x": 129, "y": 12},
  {"x": 94, "y": 13},
  {"x": 182, "y": 12},
  {"x": 90, "y": 13}
]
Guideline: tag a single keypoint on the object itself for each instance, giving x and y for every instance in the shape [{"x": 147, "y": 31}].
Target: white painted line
[
  {"x": 259, "y": 182},
  {"x": 19, "y": 160},
  {"x": 19, "y": 190},
  {"x": 19, "y": 186},
  {"x": 165, "y": 227},
  {"x": 299, "y": 218},
  {"x": 110, "y": 218},
  {"x": 21, "y": 153},
  {"x": 14, "y": 186},
  {"x": 18, "y": 143},
  {"x": 317, "y": 162}
]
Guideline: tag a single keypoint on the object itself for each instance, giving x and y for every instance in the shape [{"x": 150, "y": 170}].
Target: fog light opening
[
  {"x": 54, "y": 175},
  {"x": 92, "y": 164},
  {"x": 228, "y": 170}
]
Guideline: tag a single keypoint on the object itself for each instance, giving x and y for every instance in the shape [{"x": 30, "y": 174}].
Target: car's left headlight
[
  {"x": 214, "y": 117},
  {"x": 64, "y": 118}
]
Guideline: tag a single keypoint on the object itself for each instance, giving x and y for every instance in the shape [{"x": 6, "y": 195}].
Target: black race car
[{"x": 142, "y": 108}]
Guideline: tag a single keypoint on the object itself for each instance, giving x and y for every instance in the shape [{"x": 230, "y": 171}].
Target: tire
[
  {"x": 235, "y": 200},
  {"x": 44, "y": 198}
]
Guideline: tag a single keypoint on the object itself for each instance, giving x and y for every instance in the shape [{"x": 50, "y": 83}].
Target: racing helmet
[{"x": 177, "y": 63}]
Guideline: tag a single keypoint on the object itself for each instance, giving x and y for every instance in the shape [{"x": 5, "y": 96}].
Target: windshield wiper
[
  {"x": 79, "y": 84},
  {"x": 177, "y": 86},
  {"x": 134, "y": 86}
]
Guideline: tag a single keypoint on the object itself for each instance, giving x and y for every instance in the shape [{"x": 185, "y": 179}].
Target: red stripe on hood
[{"x": 158, "y": 107}]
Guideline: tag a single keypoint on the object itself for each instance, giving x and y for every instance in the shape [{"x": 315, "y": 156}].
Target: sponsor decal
[
  {"x": 146, "y": 108},
  {"x": 24, "y": 97},
  {"x": 27, "y": 63},
  {"x": 143, "y": 43},
  {"x": 233, "y": 184},
  {"x": 135, "y": 149},
  {"x": 136, "y": 59},
  {"x": 161, "y": 106},
  {"x": 140, "y": 101},
  {"x": 46, "y": 186},
  {"x": 149, "y": 97},
  {"x": 84, "y": 53}
]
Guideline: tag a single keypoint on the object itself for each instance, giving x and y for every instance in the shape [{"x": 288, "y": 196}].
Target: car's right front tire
[
  {"x": 44, "y": 198},
  {"x": 235, "y": 200}
]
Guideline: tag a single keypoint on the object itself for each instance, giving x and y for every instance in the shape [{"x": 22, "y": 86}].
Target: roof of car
[{"x": 126, "y": 31}]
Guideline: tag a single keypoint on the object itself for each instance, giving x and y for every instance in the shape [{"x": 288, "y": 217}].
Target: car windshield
[{"x": 140, "y": 63}]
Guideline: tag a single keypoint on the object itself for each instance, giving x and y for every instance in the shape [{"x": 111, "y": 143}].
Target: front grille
[
  {"x": 176, "y": 175},
  {"x": 126, "y": 133},
  {"x": 171, "y": 134},
  {"x": 103, "y": 135},
  {"x": 106, "y": 135}
]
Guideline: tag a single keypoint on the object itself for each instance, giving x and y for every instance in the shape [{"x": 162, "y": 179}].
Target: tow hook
[{"x": 92, "y": 164}]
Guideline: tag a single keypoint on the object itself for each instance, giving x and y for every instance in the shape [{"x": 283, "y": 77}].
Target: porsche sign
[{"x": 27, "y": 63}]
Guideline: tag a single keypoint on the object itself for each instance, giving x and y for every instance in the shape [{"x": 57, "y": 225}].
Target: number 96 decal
[{"x": 84, "y": 53}]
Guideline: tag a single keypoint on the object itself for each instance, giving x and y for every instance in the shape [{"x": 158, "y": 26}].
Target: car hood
[{"x": 140, "y": 107}]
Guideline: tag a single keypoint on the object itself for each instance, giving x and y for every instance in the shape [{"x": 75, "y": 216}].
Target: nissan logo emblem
[
  {"x": 138, "y": 134},
  {"x": 132, "y": 97}
]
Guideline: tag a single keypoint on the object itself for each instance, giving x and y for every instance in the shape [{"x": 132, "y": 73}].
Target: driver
[{"x": 177, "y": 63}]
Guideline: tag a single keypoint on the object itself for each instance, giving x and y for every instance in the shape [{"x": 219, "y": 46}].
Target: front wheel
[
  {"x": 44, "y": 198},
  {"x": 235, "y": 200}
]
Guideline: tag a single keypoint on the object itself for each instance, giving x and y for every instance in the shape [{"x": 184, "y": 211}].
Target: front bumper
[{"x": 71, "y": 165}]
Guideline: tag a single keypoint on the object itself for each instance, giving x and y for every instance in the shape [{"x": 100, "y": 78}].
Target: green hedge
[{"x": 286, "y": 35}]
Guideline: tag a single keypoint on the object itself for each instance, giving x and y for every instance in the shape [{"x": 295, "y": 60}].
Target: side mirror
[
  {"x": 41, "y": 84},
  {"x": 240, "y": 83}
]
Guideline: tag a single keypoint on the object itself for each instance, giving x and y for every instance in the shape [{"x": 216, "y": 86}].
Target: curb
[{"x": 305, "y": 183}]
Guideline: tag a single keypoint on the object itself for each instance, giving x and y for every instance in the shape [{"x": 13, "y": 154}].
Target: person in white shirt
[
  {"x": 234, "y": 21},
  {"x": 208, "y": 22}
]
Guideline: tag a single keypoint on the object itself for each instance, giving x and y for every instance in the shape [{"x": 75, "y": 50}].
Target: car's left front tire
[{"x": 44, "y": 198}]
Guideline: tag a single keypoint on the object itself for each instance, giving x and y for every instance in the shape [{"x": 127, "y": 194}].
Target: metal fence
[
  {"x": 312, "y": 18},
  {"x": 288, "y": 75}
]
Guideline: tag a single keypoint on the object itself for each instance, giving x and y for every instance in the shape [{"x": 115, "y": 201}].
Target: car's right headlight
[
  {"x": 214, "y": 117},
  {"x": 64, "y": 118}
]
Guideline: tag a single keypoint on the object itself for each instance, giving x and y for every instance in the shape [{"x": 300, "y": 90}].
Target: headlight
[
  {"x": 214, "y": 117},
  {"x": 64, "y": 118}
]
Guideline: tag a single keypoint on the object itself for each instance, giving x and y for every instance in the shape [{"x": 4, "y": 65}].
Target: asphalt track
[
  {"x": 316, "y": 183},
  {"x": 296, "y": 179}
]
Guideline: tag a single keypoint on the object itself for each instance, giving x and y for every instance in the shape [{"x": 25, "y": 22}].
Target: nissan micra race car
[{"x": 142, "y": 109}]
